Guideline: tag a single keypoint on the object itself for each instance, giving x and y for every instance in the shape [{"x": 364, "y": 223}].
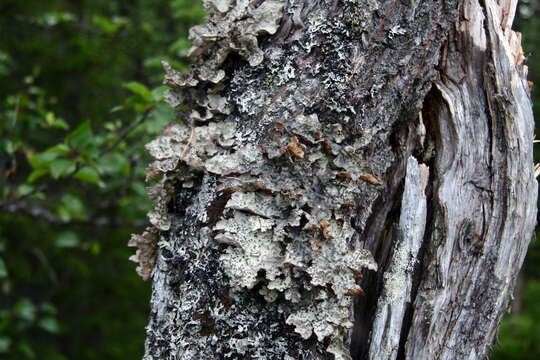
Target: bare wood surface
[
  {"x": 398, "y": 279},
  {"x": 485, "y": 192}
]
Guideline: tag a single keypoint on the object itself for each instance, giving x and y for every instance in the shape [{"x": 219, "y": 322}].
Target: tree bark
[{"x": 351, "y": 180}]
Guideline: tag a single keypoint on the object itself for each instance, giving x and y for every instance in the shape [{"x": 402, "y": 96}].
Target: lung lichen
[
  {"x": 286, "y": 218},
  {"x": 286, "y": 222}
]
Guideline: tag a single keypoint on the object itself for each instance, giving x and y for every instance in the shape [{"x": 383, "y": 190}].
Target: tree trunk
[{"x": 352, "y": 179}]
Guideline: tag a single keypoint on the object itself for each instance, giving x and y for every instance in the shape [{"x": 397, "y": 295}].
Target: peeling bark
[{"x": 293, "y": 221}]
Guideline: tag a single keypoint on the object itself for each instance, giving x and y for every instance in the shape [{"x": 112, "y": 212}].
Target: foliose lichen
[
  {"x": 232, "y": 27},
  {"x": 290, "y": 196},
  {"x": 146, "y": 252}
]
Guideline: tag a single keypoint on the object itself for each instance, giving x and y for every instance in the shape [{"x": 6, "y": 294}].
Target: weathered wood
[
  {"x": 398, "y": 281},
  {"x": 288, "y": 173},
  {"x": 484, "y": 198}
]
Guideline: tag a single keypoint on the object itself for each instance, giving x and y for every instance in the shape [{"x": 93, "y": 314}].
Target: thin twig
[
  {"x": 22, "y": 197},
  {"x": 356, "y": 64},
  {"x": 16, "y": 113},
  {"x": 191, "y": 138},
  {"x": 38, "y": 212},
  {"x": 127, "y": 130}
]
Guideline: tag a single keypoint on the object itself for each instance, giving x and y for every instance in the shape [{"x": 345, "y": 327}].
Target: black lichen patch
[
  {"x": 217, "y": 207},
  {"x": 208, "y": 324}
]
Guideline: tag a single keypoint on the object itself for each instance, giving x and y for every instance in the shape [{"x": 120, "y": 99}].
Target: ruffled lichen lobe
[
  {"x": 146, "y": 251},
  {"x": 283, "y": 236}
]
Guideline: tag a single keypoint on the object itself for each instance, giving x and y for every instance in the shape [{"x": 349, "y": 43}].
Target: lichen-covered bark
[{"x": 277, "y": 189}]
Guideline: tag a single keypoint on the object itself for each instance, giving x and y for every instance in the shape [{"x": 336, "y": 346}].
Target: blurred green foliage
[{"x": 80, "y": 95}]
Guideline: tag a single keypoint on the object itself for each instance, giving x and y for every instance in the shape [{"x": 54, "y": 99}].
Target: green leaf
[
  {"x": 80, "y": 137},
  {"x": 25, "y": 189},
  {"x": 54, "y": 18},
  {"x": 139, "y": 188},
  {"x": 39, "y": 195},
  {"x": 49, "y": 118},
  {"x": 63, "y": 214},
  {"x": 67, "y": 239},
  {"x": 95, "y": 248},
  {"x": 158, "y": 92},
  {"x": 52, "y": 121},
  {"x": 180, "y": 47},
  {"x": 45, "y": 158},
  {"x": 110, "y": 26},
  {"x": 48, "y": 308},
  {"x": 140, "y": 89},
  {"x": 60, "y": 123},
  {"x": 36, "y": 174},
  {"x": 117, "y": 108},
  {"x": 62, "y": 167},
  {"x": 60, "y": 149},
  {"x": 114, "y": 164},
  {"x": 26, "y": 349},
  {"x": 3, "y": 269},
  {"x": 72, "y": 207},
  {"x": 90, "y": 175},
  {"x": 5, "y": 343},
  {"x": 49, "y": 324},
  {"x": 25, "y": 309},
  {"x": 9, "y": 147}
]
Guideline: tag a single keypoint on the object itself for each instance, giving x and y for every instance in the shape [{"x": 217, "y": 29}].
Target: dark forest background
[{"x": 80, "y": 95}]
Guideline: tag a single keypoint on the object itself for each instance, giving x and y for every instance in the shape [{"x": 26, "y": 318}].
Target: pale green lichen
[
  {"x": 263, "y": 226},
  {"x": 360, "y": 18},
  {"x": 233, "y": 27},
  {"x": 236, "y": 30},
  {"x": 254, "y": 249},
  {"x": 320, "y": 319}
]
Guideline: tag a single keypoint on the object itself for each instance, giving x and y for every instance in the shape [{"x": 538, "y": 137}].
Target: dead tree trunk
[{"x": 351, "y": 179}]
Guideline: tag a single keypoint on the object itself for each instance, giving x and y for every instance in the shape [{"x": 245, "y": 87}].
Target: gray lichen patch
[
  {"x": 287, "y": 221},
  {"x": 161, "y": 194},
  {"x": 320, "y": 319},
  {"x": 240, "y": 161},
  {"x": 292, "y": 261},
  {"x": 235, "y": 29},
  {"x": 264, "y": 205},
  {"x": 360, "y": 19},
  {"x": 191, "y": 146},
  {"x": 324, "y": 318},
  {"x": 334, "y": 264},
  {"x": 210, "y": 319},
  {"x": 254, "y": 249}
]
